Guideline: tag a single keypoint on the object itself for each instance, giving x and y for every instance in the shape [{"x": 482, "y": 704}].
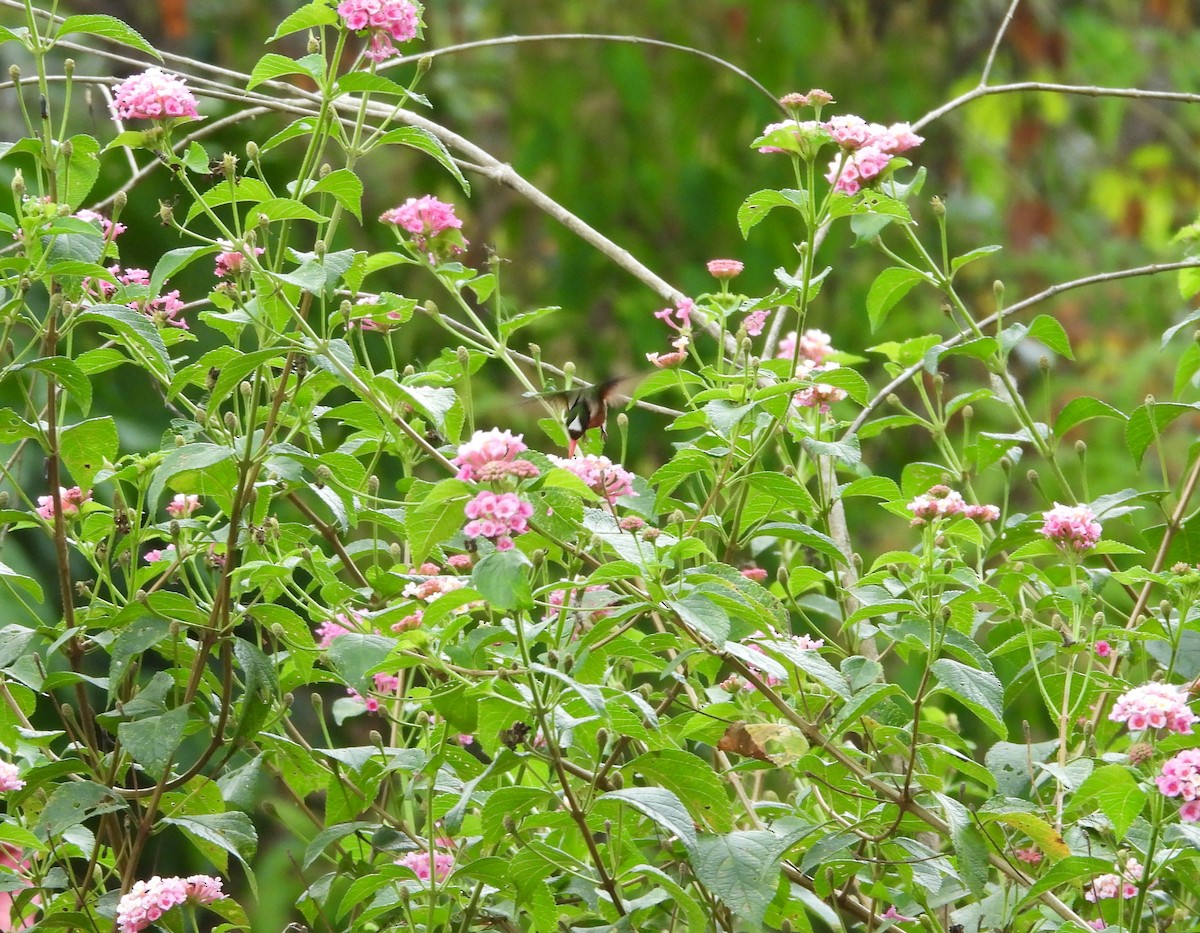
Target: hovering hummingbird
[{"x": 585, "y": 408}]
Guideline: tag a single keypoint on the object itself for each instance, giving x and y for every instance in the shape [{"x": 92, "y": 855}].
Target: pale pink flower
[
  {"x": 153, "y": 95},
  {"x": 725, "y": 268},
  {"x": 459, "y": 561},
  {"x": 754, "y": 321},
  {"x": 1032, "y": 855},
  {"x": 601, "y": 475},
  {"x": 897, "y": 138},
  {"x": 982, "y": 513},
  {"x": 850, "y": 131},
  {"x": 341, "y": 624},
  {"x": 487, "y": 447},
  {"x": 631, "y": 523},
  {"x": 757, "y": 574},
  {"x": 389, "y": 21},
  {"x": 231, "y": 263},
  {"x": 424, "y": 218},
  {"x": 438, "y": 868},
  {"x": 814, "y": 345},
  {"x": 939, "y": 502},
  {"x": 71, "y": 499},
  {"x": 9, "y": 779},
  {"x": 183, "y": 506},
  {"x": 1180, "y": 777},
  {"x": 1155, "y": 706},
  {"x": 1073, "y": 527},
  {"x": 409, "y": 622},
  {"x": 678, "y": 317},
  {"x": 851, "y": 170},
  {"x": 819, "y": 395},
  {"x": 429, "y": 590},
  {"x": 1103, "y": 649},
  {"x": 167, "y": 553},
  {"x": 147, "y": 901},
  {"x": 1124, "y": 885},
  {"x": 10, "y": 858},
  {"x": 498, "y": 517},
  {"x": 110, "y": 230}
]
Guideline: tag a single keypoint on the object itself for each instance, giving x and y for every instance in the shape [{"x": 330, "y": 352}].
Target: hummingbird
[{"x": 585, "y": 408}]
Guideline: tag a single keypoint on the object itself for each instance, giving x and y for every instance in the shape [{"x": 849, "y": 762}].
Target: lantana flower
[
  {"x": 1123, "y": 885},
  {"x": 489, "y": 452},
  {"x": 438, "y": 868},
  {"x": 147, "y": 901},
  {"x": 9, "y": 777},
  {"x": 426, "y": 218},
  {"x": 498, "y": 517},
  {"x": 1074, "y": 527},
  {"x": 601, "y": 475},
  {"x": 1155, "y": 706},
  {"x": 71, "y": 500},
  {"x": 153, "y": 95},
  {"x": 388, "y": 20}
]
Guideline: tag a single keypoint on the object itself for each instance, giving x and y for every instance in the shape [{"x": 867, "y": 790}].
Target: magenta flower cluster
[
  {"x": 725, "y": 268},
  {"x": 438, "y": 868},
  {"x": 942, "y": 501},
  {"x": 163, "y": 309},
  {"x": 153, "y": 95},
  {"x": 1072, "y": 526},
  {"x": 389, "y": 21},
  {"x": 230, "y": 263},
  {"x": 815, "y": 345},
  {"x": 147, "y": 901},
  {"x": 1180, "y": 777},
  {"x": 9, "y": 779},
  {"x": 498, "y": 517},
  {"x": 424, "y": 218},
  {"x": 111, "y": 231},
  {"x": 599, "y": 474},
  {"x": 183, "y": 506},
  {"x": 71, "y": 500},
  {"x": 819, "y": 395},
  {"x": 490, "y": 455},
  {"x": 1155, "y": 706}
]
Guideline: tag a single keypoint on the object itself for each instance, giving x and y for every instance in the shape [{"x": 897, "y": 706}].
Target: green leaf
[
  {"x": 979, "y": 691},
  {"x": 1149, "y": 421},
  {"x": 1051, "y": 333},
  {"x": 77, "y": 175},
  {"x": 345, "y": 187},
  {"x": 417, "y": 138},
  {"x": 68, "y": 374},
  {"x": 970, "y": 845},
  {"x": 277, "y": 209},
  {"x": 309, "y": 16},
  {"x": 106, "y": 27},
  {"x": 135, "y": 329},
  {"x": 888, "y": 288},
  {"x": 73, "y": 802},
  {"x": 803, "y": 534},
  {"x": 1120, "y": 797},
  {"x": 1081, "y": 409},
  {"x": 153, "y": 741},
  {"x": 660, "y": 805},
  {"x": 232, "y": 832},
  {"x": 272, "y": 66},
  {"x": 432, "y": 524},
  {"x": 742, "y": 868},
  {"x": 174, "y": 260},
  {"x": 959, "y": 261},
  {"x": 136, "y": 633},
  {"x": 28, "y": 584},
  {"x": 195, "y": 461},
  {"x": 1069, "y": 869},
  {"x": 703, "y": 615},
  {"x": 1047, "y": 838},
  {"x": 756, "y": 207},
  {"x": 86, "y": 446},
  {"x": 502, "y": 578},
  {"x": 692, "y": 780},
  {"x": 355, "y": 655}
]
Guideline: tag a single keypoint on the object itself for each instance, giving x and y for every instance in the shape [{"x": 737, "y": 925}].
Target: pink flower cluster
[
  {"x": 497, "y": 516},
  {"x": 147, "y": 901},
  {"x": 675, "y": 357},
  {"x": 424, "y": 218},
  {"x": 1155, "y": 706},
  {"x": 678, "y": 317},
  {"x": 1180, "y": 777},
  {"x": 600, "y": 475},
  {"x": 754, "y": 321},
  {"x": 342, "y": 624},
  {"x": 229, "y": 264},
  {"x": 71, "y": 499},
  {"x": 1124, "y": 885},
  {"x": 10, "y": 858},
  {"x": 153, "y": 95},
  {"x": 725, "y": 268},
  {"x": 110, "y": 230},
  {"x": 1072, "y": 526},
  {"x": 942, "y": 501},
  {"x": 438, "y": 868},
  {"x": 183, "y": 506},
  {"x": 163, "y": 310},
  {"x": 867, "y": 149},
  {"x": 429, "y": 590},
  {"x": 167, "y": 553},
  {"x": 388, "y": 20},
  {"x": 9, "y": 779},
  {"x": 851, "y": 170},
  {"x": 734, "y": 682},
  {"x": 819, "y": 395},
  {"x": 814, "y": 345},
  {"x": 491, "y": 455}
]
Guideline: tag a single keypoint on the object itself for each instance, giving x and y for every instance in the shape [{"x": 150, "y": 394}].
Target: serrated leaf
[
  {"x": 1119, "y": 796},
  {"x": 416, "y": 138},
  {"x": 309, "y": 16},
  {"x": 190, "y": 459},
  {"x": 978, "y": 690},
  {"x": 136, "y": 329},
  {"x": 152, "y": 742},
  {"x": 272, "y": 66},
  {"x": 1082, "y": 409},
  {"x": 107, "y": 27},
  {"x": 78, "y": 174},
  {"x": 68, "y": 374},
  {"x": 1149, "y": 421},
  {"x": 345, "y": 187},
  {"x": 959, "y": 261},
  {"x": 742, "y": 868},
  {"x": 1051, "y": 333},
  {"x": 174, "y": 260},
  {"x": 692, "y": 780},
  {"x": 502, "y": 578},
  {"x": 86, "y": 446},
  {"x": 354, "y": 655},
  {"x": 886, "y": 291},
  {"x": 660, "y": 805},
  {"x": 72, "y": 802},
  {"x": 232, "y": 832},
  {"x": 756, "y": 207},
  {"x": 28, "y": 584},
  {"x": 1047, "y": 838},
  {"x": 703, "y": 616}
]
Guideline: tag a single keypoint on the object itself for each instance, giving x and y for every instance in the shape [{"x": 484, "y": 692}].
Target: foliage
[{"x": 466, "y": 683}]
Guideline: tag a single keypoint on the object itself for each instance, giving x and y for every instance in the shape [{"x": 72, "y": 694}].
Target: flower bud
[
  {"x": 14, "y": 72},
  {"x": 463, "y": 355},
  {"x": 252, "y": 150},
  {"x": 372, "y": 485},
  {"x": 231, "y": 421},
  {"x": 314, "y": 44},
  {"x": 998, "y": 289},
  {"x": 424, "y": 63},
  {"x": 18, "y": 183},
  {"x": 166, "y": 213},
  {"x": 938, "y": 206}
]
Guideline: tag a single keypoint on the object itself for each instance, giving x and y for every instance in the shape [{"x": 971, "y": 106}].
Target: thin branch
[
  {"x": 592, "y": 37},
  {"x": 1000, "y": 33}
]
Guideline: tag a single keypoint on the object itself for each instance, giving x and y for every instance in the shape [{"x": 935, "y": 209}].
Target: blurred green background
[{"x": 651, "y": 146}]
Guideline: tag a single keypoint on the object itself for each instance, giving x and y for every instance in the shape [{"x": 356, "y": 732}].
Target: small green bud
[
  {"x": 464, "y": 357},
  {"x": 938, "y": 206},
  {"x": 998, "y": 289},
  {"x": 314, "y": 44},
  {"x": 372, "y": 485},
  {"x": 424, "y": 63},
  {"x": 252, "y": 150},
  {"x": 622, "y": 420}
]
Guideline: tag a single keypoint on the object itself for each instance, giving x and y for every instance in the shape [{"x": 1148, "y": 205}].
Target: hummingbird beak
[{"x": 571, "y": 447}]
